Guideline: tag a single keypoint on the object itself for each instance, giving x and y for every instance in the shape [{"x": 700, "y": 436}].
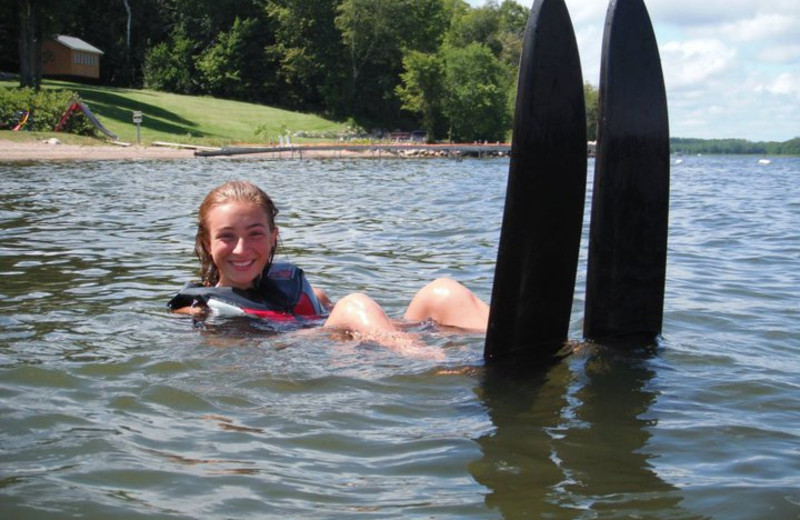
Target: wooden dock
[
  {"x": 454, "y": 151},
  {"x": 410, "y": 149}
]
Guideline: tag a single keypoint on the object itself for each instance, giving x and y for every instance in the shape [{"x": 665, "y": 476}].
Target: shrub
[{"x": 46, "y": 108}]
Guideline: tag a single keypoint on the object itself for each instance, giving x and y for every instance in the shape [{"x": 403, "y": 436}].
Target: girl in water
[{"x": 236, "y": 243}]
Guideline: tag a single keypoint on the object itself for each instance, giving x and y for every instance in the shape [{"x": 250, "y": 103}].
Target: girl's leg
[
  {"x": 357, "y": 312},
  {"x": 449, "y": 303}
]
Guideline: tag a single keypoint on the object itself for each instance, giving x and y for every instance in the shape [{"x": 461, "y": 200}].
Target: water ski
[
  {"x": 630, "y": 201},
  {"x": 537, "y": 257}
]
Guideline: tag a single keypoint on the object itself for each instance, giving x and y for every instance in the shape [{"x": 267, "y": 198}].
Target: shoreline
[
  {"x": 36, "y": 151},
  {"x": 48, "y": 150}
]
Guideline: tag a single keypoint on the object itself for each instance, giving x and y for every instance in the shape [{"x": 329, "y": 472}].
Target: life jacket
[{"x": 281, "y": 294}]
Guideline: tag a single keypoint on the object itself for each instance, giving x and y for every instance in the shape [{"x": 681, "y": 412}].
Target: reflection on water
[
  {"x": 518, "y": 463},
  {"x": 110, "y": 407},
  {"x": 614, "y": 410},
  {"x": 573, "y": 439}
]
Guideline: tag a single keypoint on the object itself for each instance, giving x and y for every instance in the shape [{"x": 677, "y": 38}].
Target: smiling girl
[{"x": 236, "y": 242}]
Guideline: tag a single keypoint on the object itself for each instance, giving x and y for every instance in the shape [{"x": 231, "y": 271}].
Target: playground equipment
[
  {"x": 78, "y": 106},
  {"x": 23, "y": 121}
]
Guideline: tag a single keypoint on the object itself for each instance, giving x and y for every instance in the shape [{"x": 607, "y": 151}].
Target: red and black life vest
[{"x": 281, "y": 294}]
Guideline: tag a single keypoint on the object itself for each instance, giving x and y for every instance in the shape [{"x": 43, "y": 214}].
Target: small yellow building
[{"x": 70, "y": 56}]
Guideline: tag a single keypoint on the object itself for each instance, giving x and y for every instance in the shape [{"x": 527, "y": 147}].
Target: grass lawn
[
  {"x": 188, "y": 119},
  {"x": 21, "y": 137}
]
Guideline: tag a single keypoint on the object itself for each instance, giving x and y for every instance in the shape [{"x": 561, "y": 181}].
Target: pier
[{"x": 410, "y": 149}]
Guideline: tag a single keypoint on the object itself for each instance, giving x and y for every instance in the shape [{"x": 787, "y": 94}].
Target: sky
[{"x": 731, "y": 67}]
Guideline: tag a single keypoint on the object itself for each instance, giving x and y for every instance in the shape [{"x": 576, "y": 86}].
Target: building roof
[{"x": 76, "y": 44}]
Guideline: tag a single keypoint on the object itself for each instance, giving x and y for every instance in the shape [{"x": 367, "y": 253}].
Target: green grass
[
  {"x": 22, "y": 137},
  {"x": 189, "y": 119}
]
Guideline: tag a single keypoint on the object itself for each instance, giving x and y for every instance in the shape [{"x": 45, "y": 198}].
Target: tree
[
  {"x": 181, "y": 31},
  {"x": 422, "y": 89},
  {"x": 306, "y": 55},
  {"x": 383, "y": 63},
  {"x": 790, "y": 147},
  {"x": 480, "y": 25},
  {"x": 476, "y": 89},
  {"x": 368, "y": 30},
  {"x": 30, "y": 49},
  {"x": 465, "y": 88},
  {"x": 513, "y": 21},
  {"x": 37, "y": 18},
  {"x": 371, "y": 37},
  {"x": 205, "y": 19},
  {"x": 168, "y": 65},
  {"x": 591, "y": 98},
  {"x": 232, "y": 66},
  {"x": 376, "y": 34},
  {"x": 128, "y": 37}
]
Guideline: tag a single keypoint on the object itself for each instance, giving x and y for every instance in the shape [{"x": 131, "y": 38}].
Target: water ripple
[{"x": 112, "y": 407}]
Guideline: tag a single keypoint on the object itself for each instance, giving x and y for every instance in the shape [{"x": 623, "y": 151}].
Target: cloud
[
  {"x": 691, "y": 63},
  {"x": 764, "y": 26},
  {"x": 586, "y": 12},
  {"x": 786, "y": 84},
  {"x": 731, "y": 67},
  {"x": 780, "y": 54},
  {"x": 690, "y": 13}
]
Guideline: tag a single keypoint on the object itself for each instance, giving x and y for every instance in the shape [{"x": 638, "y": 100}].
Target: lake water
[{"x": 111, "y": 407}]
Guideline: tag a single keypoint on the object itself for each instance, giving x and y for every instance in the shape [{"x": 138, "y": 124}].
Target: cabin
[{"x": 70, "y": 56}]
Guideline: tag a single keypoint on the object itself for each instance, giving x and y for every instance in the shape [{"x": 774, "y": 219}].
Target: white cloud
[
  {"x": 731, "y": 67},
  {"x": 780, "y": 54},
  {"x": 590, "y": 44},
  {"x": 586, "y": 12},
  {"x": 690, "y": 63},
  {"x": 690, "y": 13},
  {"x": 785, "y": 85},
  {"x": 764, "y": 26}
]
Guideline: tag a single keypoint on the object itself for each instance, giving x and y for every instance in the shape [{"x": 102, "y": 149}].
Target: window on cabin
[{"x": 84, "y": 58}]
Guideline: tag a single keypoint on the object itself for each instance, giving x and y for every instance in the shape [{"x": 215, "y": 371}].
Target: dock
[
  {"x": 454, "y": 151},
  {"x": 410, "y": 149}
]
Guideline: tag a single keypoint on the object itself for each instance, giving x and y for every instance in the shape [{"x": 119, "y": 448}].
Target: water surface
[{"x": 113, "y": 408}]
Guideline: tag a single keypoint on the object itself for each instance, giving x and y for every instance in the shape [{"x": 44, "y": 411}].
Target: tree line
[
  {"x": 439, "y": 65},
  {"x": 734, "y": 146}
]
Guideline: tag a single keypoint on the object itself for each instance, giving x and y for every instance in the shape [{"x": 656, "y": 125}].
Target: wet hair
[{"x": 232, "y": 191}]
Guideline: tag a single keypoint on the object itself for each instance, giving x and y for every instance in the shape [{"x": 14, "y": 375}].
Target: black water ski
[
  {"x": 630, "y": 201},
  {"x": 537, "y": 258}
]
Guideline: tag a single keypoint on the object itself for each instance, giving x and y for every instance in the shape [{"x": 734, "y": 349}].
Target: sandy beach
[{"x": 11, "y": 151}]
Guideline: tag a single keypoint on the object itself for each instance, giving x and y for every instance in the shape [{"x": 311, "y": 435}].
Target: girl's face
[{"x": 240, "y": 242}]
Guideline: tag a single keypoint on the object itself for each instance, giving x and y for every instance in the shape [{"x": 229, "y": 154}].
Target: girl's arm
[{"x": 322, "y": 296}]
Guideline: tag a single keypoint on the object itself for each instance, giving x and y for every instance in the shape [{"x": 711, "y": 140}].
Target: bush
[{"x": 46, "y": 108}]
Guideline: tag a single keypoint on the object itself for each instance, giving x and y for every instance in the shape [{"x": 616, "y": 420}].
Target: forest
[
  {"x": 441, "y": 66},
  {"x": 437, "y": 65}
]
